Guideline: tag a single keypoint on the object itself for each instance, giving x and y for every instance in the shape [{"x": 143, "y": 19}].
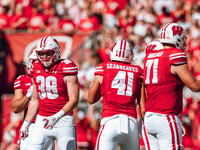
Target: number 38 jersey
[
  {"x": 50, "y": 85},
  {"x": 164, "y": 90},
  {"x": 120, "y": 86}
]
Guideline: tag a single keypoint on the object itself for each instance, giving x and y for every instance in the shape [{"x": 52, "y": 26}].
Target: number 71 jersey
[
  {"x": 164, "y": 90},
  {"x": 120, "y": 87}
]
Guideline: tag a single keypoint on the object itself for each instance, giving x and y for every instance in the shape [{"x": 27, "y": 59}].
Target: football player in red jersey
[
  {"x": 55, "y": 95},
  {"x": 23, "y": 90},
  {"x": 120, "y": 84},
  {"x": 165, "y": 74},
  {"x": 152, "y": 46}
]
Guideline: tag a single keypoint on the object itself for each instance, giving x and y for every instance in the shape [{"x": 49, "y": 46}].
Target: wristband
[
  {"x": 60, "y": 114},
  {"x": 26, "y": 123}
]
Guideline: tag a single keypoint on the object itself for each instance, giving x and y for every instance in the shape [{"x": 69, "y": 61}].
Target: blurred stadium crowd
[{"x": 137, "y": 21}]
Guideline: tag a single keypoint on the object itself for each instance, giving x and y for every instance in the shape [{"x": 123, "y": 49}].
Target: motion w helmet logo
[{"x": 177, "y": 30}]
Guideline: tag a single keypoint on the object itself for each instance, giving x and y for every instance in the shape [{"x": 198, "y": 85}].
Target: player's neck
[{"x": 166, "y": 45}]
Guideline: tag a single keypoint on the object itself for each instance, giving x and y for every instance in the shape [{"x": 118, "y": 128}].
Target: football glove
[
  {"x": 23, "y": 133},
  {"x": 52, "y": 120}
]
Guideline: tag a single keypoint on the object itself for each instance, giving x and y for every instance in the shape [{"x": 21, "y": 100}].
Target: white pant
[
  {"x": 118, "y": 129},
  {"x": 24, "y": 143},
  {"x": 64, "y": 132},
  {"x": 164, "y": 131}
]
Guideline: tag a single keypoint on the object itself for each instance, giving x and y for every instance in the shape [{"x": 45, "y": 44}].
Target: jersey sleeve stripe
[
  {"x": 70, "y": 67},
  {"x": 16, "y": 82},
  {"x": 99, "y": 70},
  {"x": 179, "y": 63},
  {"x": 16, "y": 85},
  {"x": 178, "y": 57},
  {"x": 70, "y": 70},
  {"x": 176, "y": 54},
  {"x": 99, "y": 67}
]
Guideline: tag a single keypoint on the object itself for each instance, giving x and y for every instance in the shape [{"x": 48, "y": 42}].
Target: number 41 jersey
[
  {"x": 164, "y": 90},
  {"x": 120, "y": 86},
  {"x": 50, "y": 85}
]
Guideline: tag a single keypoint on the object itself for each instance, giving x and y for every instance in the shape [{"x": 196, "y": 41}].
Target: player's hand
[
  {"x": 183, "y": 130},
  {"x": 23, "y": 133},
  {"x": 30, "y": 91},
  {"x": 52, "y": 120}
]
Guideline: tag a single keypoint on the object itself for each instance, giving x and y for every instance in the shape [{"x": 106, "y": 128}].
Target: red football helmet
[
  {"x": 48, "y": 45},
  {"x": 173, "y": 33},
  {"x": 122, "y": 51}
]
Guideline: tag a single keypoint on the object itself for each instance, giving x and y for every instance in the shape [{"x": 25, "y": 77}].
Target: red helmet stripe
[
  {"x": 124, "y": 48},
  {"x": 120, "y": 50},
  {"x": 45, "y": 40},
  {"x": 41, "y": 42},
  {"x": 164, "y": 29}
]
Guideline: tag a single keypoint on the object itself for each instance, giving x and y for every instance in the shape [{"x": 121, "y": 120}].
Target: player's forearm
[
  {"x": 69, "y": 106},
  {"x": 186, "y": 77},
  {"x": 142, "y": 100},
  {"x": 73, "y": 93},
  {"x": 32, "y": 110},
  {"x": 19, "y": 105},
  {"x": 94, "y": 94}
]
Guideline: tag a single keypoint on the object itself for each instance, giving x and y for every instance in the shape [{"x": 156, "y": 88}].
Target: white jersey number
[
  {"x": 47, "y": 87},
  {"x": 119, "y": 83},
  {"x": 149, "y": 64}
]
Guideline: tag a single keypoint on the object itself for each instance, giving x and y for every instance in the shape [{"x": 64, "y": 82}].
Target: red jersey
[
  {"x": 23, "y": 82},
  {"x": 104, "y": 54},
  {"x": 90, "y": 24},
  {"x": 50, "y": 85},
  {"x": 112, "y": 7},
  {"x": 4, "y": 21},
  {"x": 36, "y": 21},
  {"x": 120, "y": 86},
  {"x": 164, "y": 90},
  {"x": 82, "y": 132},
  {"x": 15, "y": 18},
  {"x": 67, "y": 25}
]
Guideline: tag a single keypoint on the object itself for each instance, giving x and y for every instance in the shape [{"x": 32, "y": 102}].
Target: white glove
[
  {"x": 52, "y": 120},
  {"x": 23, "y": 133},
  {"x": 30, "y": 91}
]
